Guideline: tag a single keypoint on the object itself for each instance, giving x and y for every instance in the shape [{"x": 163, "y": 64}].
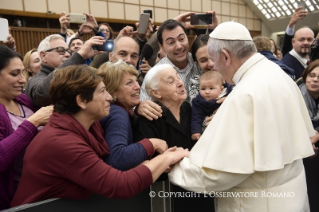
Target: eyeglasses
[
  {"x": 105, "y": 30},
  {"x": 313, "y": 75},
  {"x": 61, "y": 50}
]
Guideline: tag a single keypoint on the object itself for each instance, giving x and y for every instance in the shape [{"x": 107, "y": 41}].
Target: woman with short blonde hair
[{"x": 121, "y": 82}]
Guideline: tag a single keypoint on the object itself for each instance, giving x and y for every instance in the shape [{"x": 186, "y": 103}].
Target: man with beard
[{"x": 297, "y": 58}]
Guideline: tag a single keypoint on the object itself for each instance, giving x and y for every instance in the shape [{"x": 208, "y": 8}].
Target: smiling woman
[
  {"x": 310, "y": 91},
  {"x": 18, "y": 123},
  {"x": 31, "y": 62},
  {"x": 309, "y": 87},
  {"x": 166, "y": 88},
  {"x": 121, "y": 82}
]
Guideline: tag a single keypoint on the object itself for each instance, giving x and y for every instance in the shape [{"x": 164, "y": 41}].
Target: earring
[{"x": 114, "y": 98}]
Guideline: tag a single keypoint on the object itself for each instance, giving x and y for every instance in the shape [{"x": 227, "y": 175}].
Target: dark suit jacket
[{"x": 168, "y": 128}]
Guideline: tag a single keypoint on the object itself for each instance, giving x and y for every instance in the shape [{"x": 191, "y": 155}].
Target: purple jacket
[{"x": 12, "y": 143}]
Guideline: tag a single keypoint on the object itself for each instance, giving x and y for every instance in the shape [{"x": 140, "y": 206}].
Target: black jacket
[{"x": 168, "y": 128}]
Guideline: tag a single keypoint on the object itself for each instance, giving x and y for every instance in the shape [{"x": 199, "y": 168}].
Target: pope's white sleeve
[{"x": 192, "y": 178}]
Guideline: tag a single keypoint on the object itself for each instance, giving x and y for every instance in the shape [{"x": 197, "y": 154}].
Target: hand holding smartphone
[
  {"x": 143, "y": 23},
  {"x": 4, "y": 32},
  {"x": 105, "y": 47},
  {"x": 77, "y": 18},
  {"x": 201, "y": 19},
  {"x": 302, "y": 4}
]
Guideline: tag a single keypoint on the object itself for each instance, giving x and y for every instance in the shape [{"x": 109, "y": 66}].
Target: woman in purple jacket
[{"x": 18, "y": 123}]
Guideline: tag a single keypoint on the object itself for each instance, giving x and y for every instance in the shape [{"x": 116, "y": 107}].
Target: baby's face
[{"x": 210, "y": 89}]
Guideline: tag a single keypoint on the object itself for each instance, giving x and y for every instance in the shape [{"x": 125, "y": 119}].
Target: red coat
[{"x": 64, "y": 161}]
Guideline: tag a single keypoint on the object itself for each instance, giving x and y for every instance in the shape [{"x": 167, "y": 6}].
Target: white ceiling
[{"x": 279, "y": 13}]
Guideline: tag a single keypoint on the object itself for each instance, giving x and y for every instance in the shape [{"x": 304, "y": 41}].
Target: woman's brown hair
[
  {"x": 309, "y": 69},
  {"x": 71, "y": 81}
]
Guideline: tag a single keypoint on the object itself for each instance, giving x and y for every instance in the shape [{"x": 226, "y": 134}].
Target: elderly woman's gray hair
[
  {"x": 152, "y": 78},
  {"x": 237, "y": 48}
]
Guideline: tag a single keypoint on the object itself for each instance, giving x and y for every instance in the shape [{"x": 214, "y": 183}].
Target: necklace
[{"x": 16, "y": 114}]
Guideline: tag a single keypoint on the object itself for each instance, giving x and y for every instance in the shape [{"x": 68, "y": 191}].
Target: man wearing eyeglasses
[{"x": 55, "y": 53}]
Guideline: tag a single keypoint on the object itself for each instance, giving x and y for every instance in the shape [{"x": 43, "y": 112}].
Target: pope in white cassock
[{"x": 256, "y": 141}]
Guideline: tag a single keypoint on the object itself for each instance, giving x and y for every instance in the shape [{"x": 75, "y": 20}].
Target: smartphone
[
  {"x": 106, "y": 47},
  {"x": 201, "y": 19},
  {"x": 302, "y": 4},
  {"x": 77, "y": 18},
  {"x": 4, "y": 26},
  {"x": 149, "y": 12},
  {"x": 144, "y": 19}
]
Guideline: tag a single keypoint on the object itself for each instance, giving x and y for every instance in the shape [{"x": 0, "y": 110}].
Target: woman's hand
[
  {"x": 41, "y": 117},
  {"x": 159, "y": 145},
  {"x": 149, "y": 110}
]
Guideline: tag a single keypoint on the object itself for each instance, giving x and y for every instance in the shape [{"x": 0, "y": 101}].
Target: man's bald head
[
  {"x": 126, "y": 49},
  {"x": 302, "y": 41}
]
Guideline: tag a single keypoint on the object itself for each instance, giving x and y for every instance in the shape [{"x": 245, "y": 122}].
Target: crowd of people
[{"x": 236, "y": 114}]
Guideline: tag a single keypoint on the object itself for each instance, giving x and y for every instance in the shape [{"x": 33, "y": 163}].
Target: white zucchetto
[{"x": 231, "y": 31}]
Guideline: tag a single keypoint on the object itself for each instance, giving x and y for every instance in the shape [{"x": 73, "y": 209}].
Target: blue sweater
[
  {"x": 202, "y": 108},
  {"x": 124, "y": 154}
]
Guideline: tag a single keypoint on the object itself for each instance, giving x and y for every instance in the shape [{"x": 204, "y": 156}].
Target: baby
[{"x": 211, "y": 89}]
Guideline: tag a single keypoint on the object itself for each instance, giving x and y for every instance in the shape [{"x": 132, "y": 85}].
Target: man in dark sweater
[{"x": 298, "y": 57}]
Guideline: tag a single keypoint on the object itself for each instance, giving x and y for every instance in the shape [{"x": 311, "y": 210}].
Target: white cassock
[{"x": 255, "y": 143}]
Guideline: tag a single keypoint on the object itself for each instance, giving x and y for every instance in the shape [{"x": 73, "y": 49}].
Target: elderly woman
[
  {"x": 65, "y": 159},
  {"x": 19, "y": 123},
  {"x": 121, "y": 82},
  {"x": 309, "y": 87},
  {"x": 166, "y": 88},
  {"x": 32, "y": 64}
]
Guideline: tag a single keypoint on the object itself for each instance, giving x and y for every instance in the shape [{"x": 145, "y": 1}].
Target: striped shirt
[{"x": 185, "y": 74}]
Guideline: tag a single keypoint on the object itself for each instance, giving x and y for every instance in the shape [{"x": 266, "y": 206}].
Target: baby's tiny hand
[{"x": 196, "y": 136}]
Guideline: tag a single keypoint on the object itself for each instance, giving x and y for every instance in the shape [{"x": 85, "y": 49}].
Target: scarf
[{"x": 310, "y": 103}]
